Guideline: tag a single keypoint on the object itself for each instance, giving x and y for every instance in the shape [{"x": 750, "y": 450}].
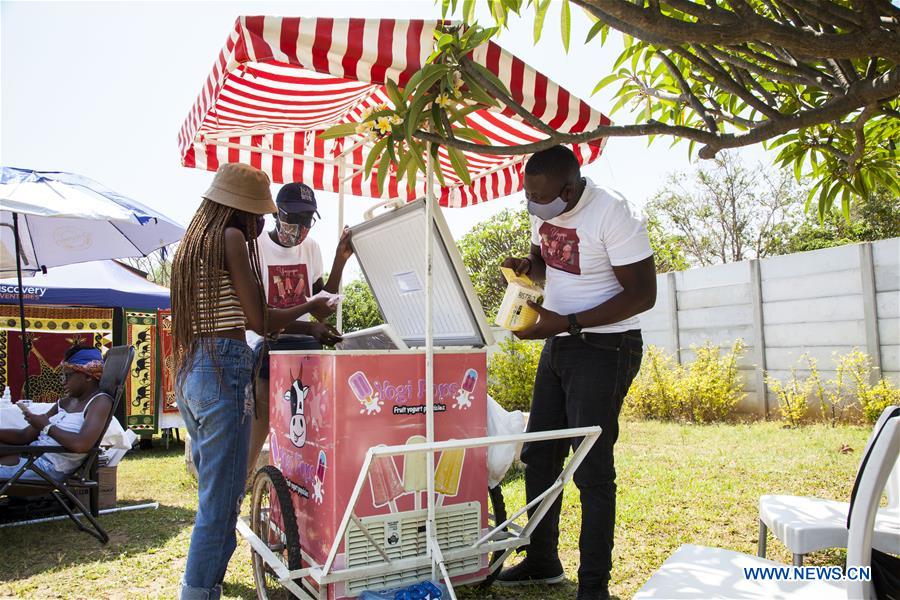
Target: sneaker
[
  {"x": 592, "y": 592},
  {"x": 531, "y": 572}
]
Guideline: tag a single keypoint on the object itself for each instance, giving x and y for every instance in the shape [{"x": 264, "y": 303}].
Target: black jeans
[{"x": 581, "y": 381}]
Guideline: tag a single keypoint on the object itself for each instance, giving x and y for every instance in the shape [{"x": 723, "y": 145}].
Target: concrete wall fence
[{"x": 821, "y": 302}]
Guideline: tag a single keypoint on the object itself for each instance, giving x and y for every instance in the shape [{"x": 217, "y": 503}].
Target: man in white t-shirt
[
  {"x": 591, "y": 250},
  {"x": 292, "y": 271}
]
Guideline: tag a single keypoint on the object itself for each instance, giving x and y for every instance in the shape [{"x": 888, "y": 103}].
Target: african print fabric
[
  {"x": 141, "y": 406},
  {"x": 167, "y": 363},
  {"x": 52, "y": 330}
]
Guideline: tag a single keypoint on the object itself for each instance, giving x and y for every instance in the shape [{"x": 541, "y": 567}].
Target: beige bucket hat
[{"x": 242, "y": 187}]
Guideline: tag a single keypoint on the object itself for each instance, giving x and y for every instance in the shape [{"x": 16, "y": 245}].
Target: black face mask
[{"x": 260, "y": 224}]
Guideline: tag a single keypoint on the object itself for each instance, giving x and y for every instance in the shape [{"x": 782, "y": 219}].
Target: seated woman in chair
[{"x": 75, "y": 423}]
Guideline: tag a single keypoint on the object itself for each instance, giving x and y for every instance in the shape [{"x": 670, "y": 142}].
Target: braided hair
[{"x": 197, "y": 270}]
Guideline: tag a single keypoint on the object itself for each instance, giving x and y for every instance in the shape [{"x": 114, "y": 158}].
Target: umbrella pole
[
  {"x": 341, "y": 170},
  {"x": 26, "y": 343},
  {"x": 430, "y": 533}
]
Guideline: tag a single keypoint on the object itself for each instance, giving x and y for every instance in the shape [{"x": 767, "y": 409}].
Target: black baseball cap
[{"x": 297, "y": 198}]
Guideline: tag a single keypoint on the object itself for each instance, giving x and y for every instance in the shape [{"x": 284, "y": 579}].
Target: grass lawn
[{"x": 676, "y": 484}]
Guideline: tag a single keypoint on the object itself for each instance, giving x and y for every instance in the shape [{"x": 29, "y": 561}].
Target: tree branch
[
  {"x": 525, "y": 115},
  {"x": 725, "y": 81},
  {"x": 651, "y": 128},
  {"x": 793, "y": 17},
  {"x": 711, "y": 12},
  {"x": 827, "y": 12},
  {"x": 692, "y": 100},
  {"x": 798, "y": 77},
  {"x": 754, "y": 28},
  {"x": 862, "y": 93},
  {"x": 860, "y": 138}
]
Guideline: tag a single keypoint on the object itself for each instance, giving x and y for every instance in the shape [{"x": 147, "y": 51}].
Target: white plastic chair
[
  {"x": 805, "y": 524},
  {"x": 703, "y": 572}
]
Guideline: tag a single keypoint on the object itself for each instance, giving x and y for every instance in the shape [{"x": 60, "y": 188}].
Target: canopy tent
[
  {"x": 280, "y": 80},
  {"x": 98, "y": 283},
  {"x": 99, "y": 302}
]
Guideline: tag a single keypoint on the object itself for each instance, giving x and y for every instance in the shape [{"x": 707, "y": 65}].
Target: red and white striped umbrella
[{"x": 281, "y": 80}]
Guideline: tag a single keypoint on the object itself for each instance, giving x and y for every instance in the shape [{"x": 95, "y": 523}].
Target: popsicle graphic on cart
[
  {"x": 448, "y": 473},
  {"x": 319, "y": 480},
  {"x": 367, "y": 397},
  {"x": 384, "y": 482},
  {"x": 415, "y": 471},
  {"x": 463, "y": 396}
]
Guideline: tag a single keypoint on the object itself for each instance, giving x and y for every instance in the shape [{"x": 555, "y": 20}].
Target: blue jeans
[
  {"x": 7, "y": 472},
  {"x": 216, "y": 406},
  {"x": 581, "y": 381}
]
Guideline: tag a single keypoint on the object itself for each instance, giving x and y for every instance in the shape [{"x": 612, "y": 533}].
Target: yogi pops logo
[{"x": 372, "y": 395}]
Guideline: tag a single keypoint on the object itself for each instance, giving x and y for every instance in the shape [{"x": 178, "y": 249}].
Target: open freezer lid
[{"x": 391, "y": 252}]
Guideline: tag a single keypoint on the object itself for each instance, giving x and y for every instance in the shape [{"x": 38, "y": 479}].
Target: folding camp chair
[{"x": 115, "y": 371}]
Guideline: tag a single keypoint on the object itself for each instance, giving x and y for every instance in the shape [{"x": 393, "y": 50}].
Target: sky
[{"x": 102, "y": 89}]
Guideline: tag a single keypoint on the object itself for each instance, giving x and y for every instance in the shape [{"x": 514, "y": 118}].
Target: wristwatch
[{"x": 574, "y": 327}]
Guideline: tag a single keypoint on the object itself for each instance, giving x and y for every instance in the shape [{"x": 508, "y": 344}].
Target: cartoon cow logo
[{"x": 296, "y": 395}]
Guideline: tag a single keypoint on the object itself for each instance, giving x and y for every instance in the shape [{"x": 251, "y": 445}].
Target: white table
[{"x": 11, "y": 417}]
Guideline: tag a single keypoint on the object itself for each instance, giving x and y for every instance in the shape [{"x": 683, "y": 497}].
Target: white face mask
[{"x": 548, "y": 211}]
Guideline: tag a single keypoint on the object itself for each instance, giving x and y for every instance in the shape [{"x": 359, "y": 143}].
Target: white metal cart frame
[{"x": 505, "y": 536}]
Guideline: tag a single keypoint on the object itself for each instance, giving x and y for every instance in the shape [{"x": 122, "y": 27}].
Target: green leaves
[
  {"x": 468, "y": 11},
  {"x": 565, "y": 25},
  {"x": 643, "y": 85},
  {"x": 336, "y": 131},
  {"x": 540, "y": 13},
  {"x": 595, "y": 29},
  {"x": 460, "y": 164},
  {"x": 374, "y": 154}
]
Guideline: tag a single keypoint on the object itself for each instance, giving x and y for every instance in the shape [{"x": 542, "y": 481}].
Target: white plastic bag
[{"x": 501, "y": 456}]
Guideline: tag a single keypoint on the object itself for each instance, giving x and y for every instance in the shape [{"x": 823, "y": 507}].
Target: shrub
[
  {"x": 704, "y": 391},
  {"x": 850, "y": 388},
  {"x": 793, "y": 397},
  {"x": 878, "y": 397},
  {"x": 511, "y": 373},
  {"x": 654, "y": 392},
  {"x": 711, "y": 387}
]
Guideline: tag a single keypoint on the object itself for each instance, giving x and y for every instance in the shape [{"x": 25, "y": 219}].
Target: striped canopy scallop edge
[{"x": 279, "y": 81}]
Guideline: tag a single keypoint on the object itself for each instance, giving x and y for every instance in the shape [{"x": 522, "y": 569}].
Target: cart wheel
[
  {"x": 272, "y": 520},
  {"x": 498, "y": 505}
]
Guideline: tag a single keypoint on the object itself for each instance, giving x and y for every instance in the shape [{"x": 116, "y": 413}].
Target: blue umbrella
[{"x": 59, "y": 218}]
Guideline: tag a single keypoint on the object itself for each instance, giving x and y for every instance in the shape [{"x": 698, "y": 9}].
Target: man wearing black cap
[{"x": 292, "y": 270}]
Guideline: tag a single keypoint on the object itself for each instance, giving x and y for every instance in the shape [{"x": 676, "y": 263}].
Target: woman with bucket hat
[{"x": 217, "y": 292}]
